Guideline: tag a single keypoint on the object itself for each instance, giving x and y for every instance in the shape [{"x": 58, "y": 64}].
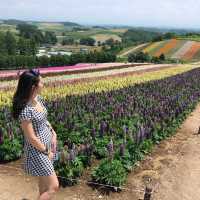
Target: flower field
[
  {"x": 51, "y": 80},
  {"x": 83, "y": 67},
  {"x": 116, "y": 120},
  {"x": 175, "y": 48},
  {"x": 192, "y": 52},
  {"x": 167, "y": 47}
]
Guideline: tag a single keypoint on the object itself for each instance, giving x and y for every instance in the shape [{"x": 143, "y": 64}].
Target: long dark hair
[{"x": 24, "y": 88}]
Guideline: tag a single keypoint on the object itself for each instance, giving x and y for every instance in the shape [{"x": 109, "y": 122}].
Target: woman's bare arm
[
  {"x": 29, "y": 133},
  {"x": 54, "y": 133}
]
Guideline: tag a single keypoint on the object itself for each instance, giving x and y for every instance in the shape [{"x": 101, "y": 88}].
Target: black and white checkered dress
[{"x": 35, "y": 162}]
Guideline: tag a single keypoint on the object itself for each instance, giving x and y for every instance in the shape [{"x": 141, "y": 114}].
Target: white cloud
[{"x": 177, "y": 13}]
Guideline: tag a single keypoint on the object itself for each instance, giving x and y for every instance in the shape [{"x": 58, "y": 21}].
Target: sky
[{"x": 151, "y": 13}]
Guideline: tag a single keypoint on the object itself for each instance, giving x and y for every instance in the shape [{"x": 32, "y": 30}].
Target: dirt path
[
  {"x": 133, "y": 49},
  {"x": 173, "y": 168}
]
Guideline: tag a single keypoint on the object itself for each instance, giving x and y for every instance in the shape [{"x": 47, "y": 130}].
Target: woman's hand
[
  {"x": 51, "y": 154},
  {"x": 54, "y": 143}
]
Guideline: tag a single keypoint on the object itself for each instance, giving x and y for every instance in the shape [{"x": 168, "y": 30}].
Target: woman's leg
[
  {"x": 50, "y": 186},
  {"x": 41, "y": 185}
]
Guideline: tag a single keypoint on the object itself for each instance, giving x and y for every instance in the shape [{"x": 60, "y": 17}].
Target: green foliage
[
  {"x": 125, "y": 160},
  {"x": 87, "y": 41},
  {"x": 31, "y": 32},
  {"x": 139, "y": 57},
  {"x": 28, "y": 61},
  {"x": 28, "y": 31},
  {"x": 50, "y": 38},
  {"x": 136, "y": 35},
  {"x": 110, "y": 172},
  {"x": 100, "y": 147},
  {"x": 166, "y": 36},
  {"x": 11, "y": 148},
  {"x": 68, "y": 41},
  {"x": 145, "y": 57},
  {"x": 69, "y": 170},
  {"x": 10, "y": 43}
]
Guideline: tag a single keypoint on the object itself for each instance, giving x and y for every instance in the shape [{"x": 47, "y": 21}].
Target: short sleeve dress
[{"x": 35, "y": 162}]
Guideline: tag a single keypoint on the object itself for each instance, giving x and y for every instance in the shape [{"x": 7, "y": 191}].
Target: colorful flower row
[
  {"x": 8, "y": 85},
  {"x": 167, "y": 47},
  {"x": 60, "y": 90},
  {"x": 192, "y": 51},
  {"x": 118, "y": 124},
  {"x": 13, "y": 74},
  {"x": 174, "y": 48}
]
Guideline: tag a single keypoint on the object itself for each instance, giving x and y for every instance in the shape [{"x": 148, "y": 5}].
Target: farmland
[
  {"x": 110, "y": 117},
  {"x": 102, "y": 120},
  {"x": 187, "y": 50}
]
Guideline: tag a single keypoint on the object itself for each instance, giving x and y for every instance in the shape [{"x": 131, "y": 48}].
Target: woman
[{"x": 29, "y": 108}]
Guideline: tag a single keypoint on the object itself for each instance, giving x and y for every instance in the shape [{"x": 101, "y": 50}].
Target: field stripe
[
  {"x": 167, "y": 47},
  {"x": 179, "y": 54},
  {"x": 192, "y": 51}
]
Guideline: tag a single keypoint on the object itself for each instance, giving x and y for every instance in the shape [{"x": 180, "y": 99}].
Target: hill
[{"x": 180, "y": 49}]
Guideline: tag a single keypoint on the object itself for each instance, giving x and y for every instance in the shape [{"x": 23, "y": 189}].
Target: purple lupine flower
[
  {"x": 113, "y": 115},
  {"x": 10, "y": 133},
  {"x": 1, "y": 136},
  {"x": 121, "y": 150},
  {"x": 112, "y": 131},
  {"x": 102, "y": 128},
  {"x": 72, "y": 155},
  {"x": 93, "y": 133},
  {"x": 63, "y": 156},
  {"x": 137, "y": 137},
  {"x": 130, "y": 134},
  {"x": 142, "y": 130},
  {"x": 90, "y": 149},
  {"x": 110, "y": 148},
  {"x": 82, "y": 149},
  {"x": 75, "y": 149},
  {"x": 125, "y": 131},
  {"x": 104, "y": 125}
]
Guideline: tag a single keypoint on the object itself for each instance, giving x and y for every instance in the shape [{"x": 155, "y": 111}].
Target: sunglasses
[{"x": 35, "y": 72}]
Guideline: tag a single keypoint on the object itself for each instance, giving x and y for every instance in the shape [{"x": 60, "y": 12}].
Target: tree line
[
  {"x": 145, "y": 57},
  {"x": 29, "y": 61}
]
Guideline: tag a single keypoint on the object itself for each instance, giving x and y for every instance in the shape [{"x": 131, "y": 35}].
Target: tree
[
  {"x": 87, "y": 41},
  {"x": 136, "y": 35},
  {"x": 44, "y": 61},
  {"x": 155, "y": 59},
  {"x": 99, "y": 43},
  {"x": 50, "y": 38},
  {"x": 139, "y": 57},
  {"x": 2, "y": 44},
  {"x": 162, "y": 57},
  {"x": 110, "y": 42},
  {"x": 26, "y": 30},
  {"x": 132, "y": 57},
  {"x": 10, "y": 43},
  {"x": 68, "y": 41},
  {"x": 33, "y": 47},
  {"x": 21, "y": 45}
]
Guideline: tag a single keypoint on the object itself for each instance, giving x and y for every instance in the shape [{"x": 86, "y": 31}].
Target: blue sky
[{"x": 164, "y": 13}]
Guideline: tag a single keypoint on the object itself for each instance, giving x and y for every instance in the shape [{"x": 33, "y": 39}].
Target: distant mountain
[
  {"x": 13, "y": 22},
  {"x": 16, "y": 22},
  {"x": 71, "y": 24},
  {"x": 165, "y": 30}
]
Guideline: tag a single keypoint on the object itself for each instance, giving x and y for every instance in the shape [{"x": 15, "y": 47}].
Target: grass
[
  {"x": 5, "y": 28},
  {"x": 104, "y": 37},
  {"x": 192, "y": 38}
]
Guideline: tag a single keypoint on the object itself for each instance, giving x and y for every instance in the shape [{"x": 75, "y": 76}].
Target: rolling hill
[{"x": 181, "y": 49}]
